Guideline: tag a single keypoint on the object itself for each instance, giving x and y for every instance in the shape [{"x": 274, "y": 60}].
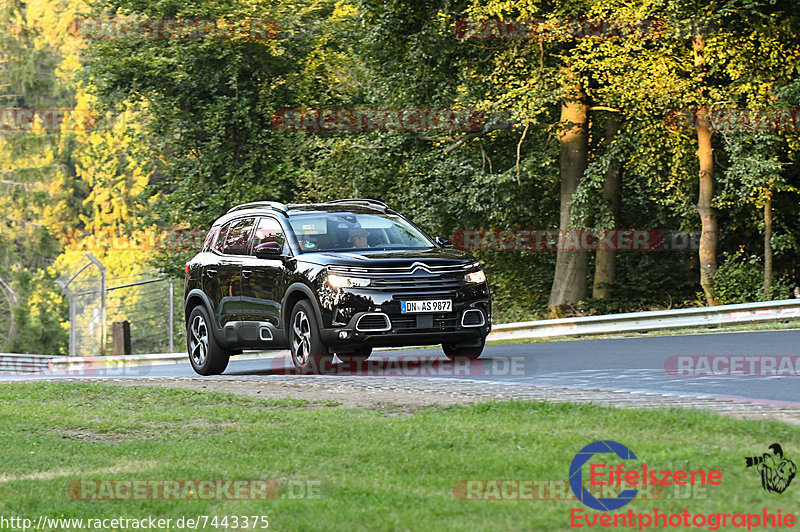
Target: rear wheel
[
  {"x": 453, "y": 351},
  {"x": 205, "y": 354},
  {"x": 309, "y": 354}
]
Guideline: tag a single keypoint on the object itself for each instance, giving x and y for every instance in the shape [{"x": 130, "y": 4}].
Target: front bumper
[{"x": 411, "y": 329}]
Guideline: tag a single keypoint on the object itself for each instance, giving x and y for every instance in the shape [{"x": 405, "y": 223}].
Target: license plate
[{"x": 429, "y": 305}]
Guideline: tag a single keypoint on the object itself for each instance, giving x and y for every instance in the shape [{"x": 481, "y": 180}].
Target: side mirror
[
  {"x": 268, "y": 250},
  {"x": 443, "y": 242}
]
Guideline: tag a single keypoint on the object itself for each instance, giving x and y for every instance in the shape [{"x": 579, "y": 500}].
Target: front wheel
[
  {"x": 453, "y": 351},
  {"x": 309, "y": 354},
  {"x": 205, "y": 354}
]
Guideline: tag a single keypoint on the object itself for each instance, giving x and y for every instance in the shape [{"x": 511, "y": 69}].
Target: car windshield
[{"x": 347, "y": 231}]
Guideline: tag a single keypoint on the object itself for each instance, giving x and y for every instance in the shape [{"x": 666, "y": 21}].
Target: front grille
[
  {"x": 418, "y": 278},
  {"x": 419, "y": 283},
  {"x": 403, "y": 270},
  {"x": 441, "y": 322},
  {"x": 423, "y": 296}
]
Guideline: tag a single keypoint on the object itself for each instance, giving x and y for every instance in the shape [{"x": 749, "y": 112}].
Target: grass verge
[{"x": 372, "y": 469}]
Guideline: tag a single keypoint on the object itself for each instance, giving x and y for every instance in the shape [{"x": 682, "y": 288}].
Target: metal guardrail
[
  {"x": 15, "y": 363},
  {"x": 722, "y": 315}
]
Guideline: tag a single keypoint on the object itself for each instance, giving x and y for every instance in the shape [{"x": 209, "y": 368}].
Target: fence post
[
  {"x": 171, "y": 319},
  {"x": 121, "y": 338},
  {"x": 73, "y": 316},
  {"x": 102, "y": 300}
]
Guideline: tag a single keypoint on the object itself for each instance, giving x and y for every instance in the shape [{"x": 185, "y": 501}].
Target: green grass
[{"x": 377, "y": 469}]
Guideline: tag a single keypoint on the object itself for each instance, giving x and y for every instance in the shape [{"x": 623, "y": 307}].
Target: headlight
[
  {"x": 341, "y": 281},
  {"x": 475, "y": 277}
]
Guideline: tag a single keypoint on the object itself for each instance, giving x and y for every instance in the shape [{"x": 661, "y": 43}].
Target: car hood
[{"x": 390, "y": 258}]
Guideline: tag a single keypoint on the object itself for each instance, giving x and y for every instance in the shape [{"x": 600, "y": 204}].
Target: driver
[{"x": 358, "y": 237}]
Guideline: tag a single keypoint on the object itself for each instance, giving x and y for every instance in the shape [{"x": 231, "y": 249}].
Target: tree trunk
[
  {"x": 768, "y": 248},
  {"x": 705, "y": 155},
  {"x": 606, "y": 260},
  {"x": 569, "y": 281},
  {"x": 708, "y": 219}
]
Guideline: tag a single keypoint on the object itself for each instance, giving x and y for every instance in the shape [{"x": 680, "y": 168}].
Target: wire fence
[
  {"x": 85, "y": 285},
  {"x": 146, "y": 301}
]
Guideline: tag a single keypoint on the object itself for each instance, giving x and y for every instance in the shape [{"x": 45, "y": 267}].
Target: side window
[
  {"x": 238, "y": 237},
  {"x": 212, "y": 234},
  {"x": 269, "y": 230},
  {"x": 219, "y": 236}
]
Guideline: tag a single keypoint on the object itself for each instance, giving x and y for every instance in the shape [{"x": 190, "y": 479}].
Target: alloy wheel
[
  {"x": 198, "y": 341},
  {"x": 301, "y": 337}
]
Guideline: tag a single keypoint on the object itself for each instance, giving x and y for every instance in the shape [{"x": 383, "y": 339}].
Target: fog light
[{"x": 343, "y": 335}]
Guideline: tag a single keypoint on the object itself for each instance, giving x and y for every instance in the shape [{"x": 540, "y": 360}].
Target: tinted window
[
  {"x": 238, "y": 237},
  {"x": 269, "y": 230},
  {"x": 329, "y": 231},
  {"x": 210, "y": 238},
  {"x": 220, "y": 236}
]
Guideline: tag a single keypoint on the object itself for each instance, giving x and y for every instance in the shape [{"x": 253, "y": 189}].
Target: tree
[
  {"x": 606, "y": 259},
  {"x": 569, "y": 282}
]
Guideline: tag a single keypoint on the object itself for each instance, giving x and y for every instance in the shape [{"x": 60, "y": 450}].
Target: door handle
[
  {"x": 211, "y": 272},
  {"x": 247, "y": 273}
]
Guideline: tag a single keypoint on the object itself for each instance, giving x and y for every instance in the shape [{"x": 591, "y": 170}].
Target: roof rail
[
  {"x": 262, "y": 204},
  {"x": 360, "y": 200}
]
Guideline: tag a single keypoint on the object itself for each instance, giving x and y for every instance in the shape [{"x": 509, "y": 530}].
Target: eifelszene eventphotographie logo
[
  {"x": 775, "y": 469},
  {"x": 621, "y": 477}
]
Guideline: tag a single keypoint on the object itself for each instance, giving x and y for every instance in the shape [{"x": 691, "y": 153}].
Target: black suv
[{"x": 333, "y": 278}]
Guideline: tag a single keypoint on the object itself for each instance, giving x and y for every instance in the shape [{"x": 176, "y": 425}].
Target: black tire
[
  {"x": 309, "y": 354},
  {"x": 205, "y": 354},
  {"x": 471, "y": 352},
  {"x": 359, "y": 355}
]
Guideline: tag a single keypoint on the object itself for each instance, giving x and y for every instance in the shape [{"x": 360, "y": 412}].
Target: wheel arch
[
  {"x": 194, "y": 299},
  {"x": 295, "y": 293}
]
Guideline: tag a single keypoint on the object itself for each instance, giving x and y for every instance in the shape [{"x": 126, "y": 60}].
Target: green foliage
[
  {"x": 740, "y": 279},
  {"x": 41, "y": 318},
  {"x": 210, "y": 104}
]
